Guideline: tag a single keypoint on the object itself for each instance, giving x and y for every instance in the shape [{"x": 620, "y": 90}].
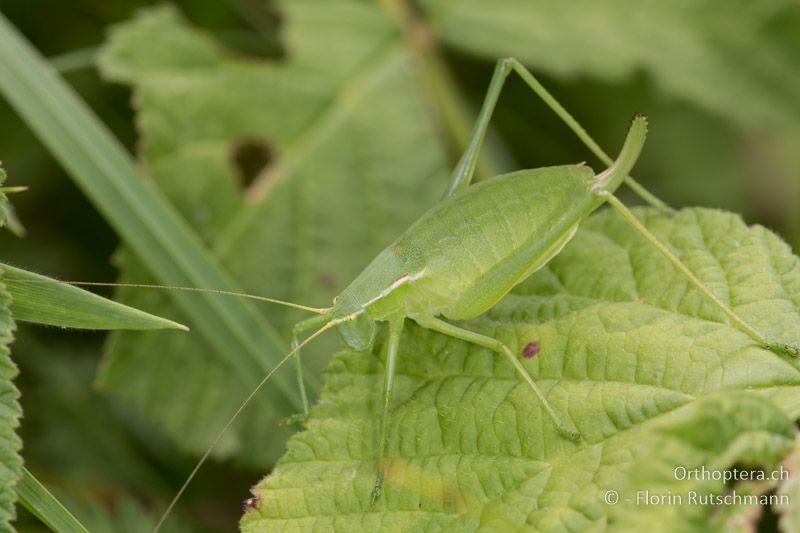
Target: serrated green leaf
[
  {"x": 43, "y": 300},
  {"x": 639, "y": 362},
  {"x": 10, "y": 414},
  {"x": 3, "y": 198},
  {"x": 718, "y": 433},
  {"x": 357, "y": 158}
]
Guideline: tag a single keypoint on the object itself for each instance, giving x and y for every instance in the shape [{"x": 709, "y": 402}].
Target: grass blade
[
  {"x": 43, "y": 300},
  {"x": 42, "y": 504},
  {"x": 147, "y": 223}
]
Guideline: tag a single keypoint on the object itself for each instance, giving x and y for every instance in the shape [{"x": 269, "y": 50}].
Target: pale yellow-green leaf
[{"x": 632, "y": 355}]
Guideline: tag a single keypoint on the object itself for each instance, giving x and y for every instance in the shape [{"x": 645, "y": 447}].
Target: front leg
[
  {"x": 300, "y": 327},
  {"x": 395, "y": 331}
]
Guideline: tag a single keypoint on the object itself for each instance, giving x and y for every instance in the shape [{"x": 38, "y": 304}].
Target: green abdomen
[{"x": 476, "y": 245}]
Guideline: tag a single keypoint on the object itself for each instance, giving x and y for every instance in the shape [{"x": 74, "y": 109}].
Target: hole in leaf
[{"x": 251, "y": 156}]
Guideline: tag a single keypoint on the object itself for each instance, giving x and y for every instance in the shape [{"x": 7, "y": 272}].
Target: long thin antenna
[
  {"x": 317, "y": 310},
  {"x": 228, "y": 424}
]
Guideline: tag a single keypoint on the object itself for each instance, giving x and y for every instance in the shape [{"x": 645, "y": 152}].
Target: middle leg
[{"x": 495, "y": 345}]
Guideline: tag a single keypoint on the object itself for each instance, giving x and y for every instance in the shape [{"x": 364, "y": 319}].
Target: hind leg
[{"x": 465, "y": 169}]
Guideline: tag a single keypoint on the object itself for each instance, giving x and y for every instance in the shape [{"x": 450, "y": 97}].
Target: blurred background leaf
[
  {"x": 216, "y": 107},
  {"x": 333, "y": 126}
]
